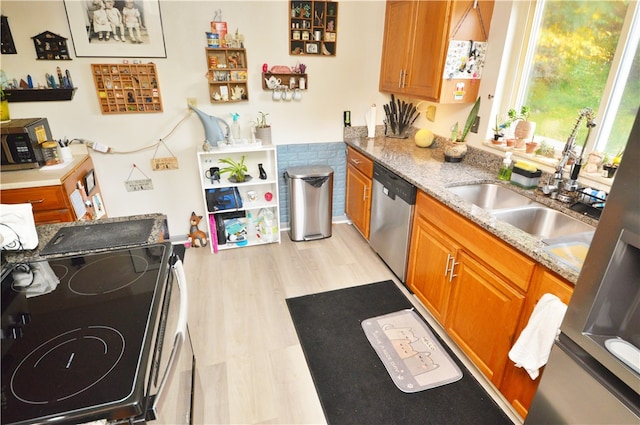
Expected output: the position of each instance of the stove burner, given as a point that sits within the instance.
(75, 360)
(108, 274)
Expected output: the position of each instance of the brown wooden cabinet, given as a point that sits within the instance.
(52, 204)
(483, 314)
(517, 386)
(416, 42)
(472, 282)
(358, 196)
(429, 272)
(227, 74)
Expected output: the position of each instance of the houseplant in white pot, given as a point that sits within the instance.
(262, 129)
(456, 148)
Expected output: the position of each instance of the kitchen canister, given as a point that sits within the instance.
(213, 40)
(51, 153)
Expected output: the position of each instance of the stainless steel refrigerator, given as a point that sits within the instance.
(593, 373)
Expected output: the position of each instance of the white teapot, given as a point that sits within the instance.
(237, 92)
(272, 82)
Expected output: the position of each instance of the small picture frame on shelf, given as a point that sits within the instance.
(312, 48)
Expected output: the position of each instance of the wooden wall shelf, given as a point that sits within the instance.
(227, 74)
(285, 80)
(39, 95)
(313, 28)
(127, 88)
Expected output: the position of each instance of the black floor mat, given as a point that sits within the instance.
(351, 381)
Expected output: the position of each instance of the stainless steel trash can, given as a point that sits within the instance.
(310, 202)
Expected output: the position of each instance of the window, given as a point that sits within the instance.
(583, 54)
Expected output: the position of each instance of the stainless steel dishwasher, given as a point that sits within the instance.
(392, 204)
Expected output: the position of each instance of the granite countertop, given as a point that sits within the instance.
(427, 170)
(47, 231)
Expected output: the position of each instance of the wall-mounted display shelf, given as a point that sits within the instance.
(292, 80)
(258, 196)
(127, 88)
(39, 95)
(227, 74)
(313, 28)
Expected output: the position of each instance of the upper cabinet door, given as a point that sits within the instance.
(416, 42)
(398, 36)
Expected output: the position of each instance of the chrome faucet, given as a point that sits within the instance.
(557, 187)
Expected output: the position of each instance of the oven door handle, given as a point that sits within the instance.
(180, 336)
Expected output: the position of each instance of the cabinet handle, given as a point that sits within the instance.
(446, 266)
(404, 78)
(400, 79)
(453, 265)
(39, 201)
(355, 161)
(365, 193)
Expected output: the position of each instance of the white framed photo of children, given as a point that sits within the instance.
(116, 28)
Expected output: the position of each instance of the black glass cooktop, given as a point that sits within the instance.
(77, 333)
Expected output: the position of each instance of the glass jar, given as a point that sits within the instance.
(51, 153)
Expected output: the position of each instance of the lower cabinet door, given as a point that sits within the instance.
(358, 196)
(430, 259)
(483, 315)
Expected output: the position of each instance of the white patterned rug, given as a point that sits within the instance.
(410, 352)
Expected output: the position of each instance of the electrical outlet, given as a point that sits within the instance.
(475, 125)
(192, 101)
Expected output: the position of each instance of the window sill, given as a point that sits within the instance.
(594, 180)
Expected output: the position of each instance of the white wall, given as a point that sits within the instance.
(348, 81)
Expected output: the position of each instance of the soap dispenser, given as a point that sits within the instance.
(505, 169)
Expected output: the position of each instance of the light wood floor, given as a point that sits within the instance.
(250, 364)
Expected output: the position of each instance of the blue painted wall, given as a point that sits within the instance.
(331, 154)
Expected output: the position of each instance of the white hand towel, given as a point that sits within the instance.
(531, 350)
(17, 227)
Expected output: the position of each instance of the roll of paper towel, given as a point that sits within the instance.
(371, 122)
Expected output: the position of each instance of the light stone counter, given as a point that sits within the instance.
(49, 175)
(426, 169)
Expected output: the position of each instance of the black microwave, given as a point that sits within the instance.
(21, 139)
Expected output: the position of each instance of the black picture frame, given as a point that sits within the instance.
(89, 182)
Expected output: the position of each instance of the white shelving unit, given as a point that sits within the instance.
(265, 155)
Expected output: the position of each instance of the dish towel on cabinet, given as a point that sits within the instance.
(531, 350)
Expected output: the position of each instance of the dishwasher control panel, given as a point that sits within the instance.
(394, 185)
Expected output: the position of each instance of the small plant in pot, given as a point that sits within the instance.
(237, 170)
(263, 130)
(456, 149)
(498, 130)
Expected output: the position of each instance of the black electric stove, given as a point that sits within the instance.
(77, 335)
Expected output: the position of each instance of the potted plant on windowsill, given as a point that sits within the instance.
(262, 129)
(237, 170)
(498, 131)
(456, 149)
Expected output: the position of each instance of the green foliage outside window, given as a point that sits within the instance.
(574, 54)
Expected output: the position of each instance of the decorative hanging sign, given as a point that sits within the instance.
(159, 164)
(137, 185)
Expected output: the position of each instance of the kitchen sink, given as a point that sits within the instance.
(542, 222)
(489, 196)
